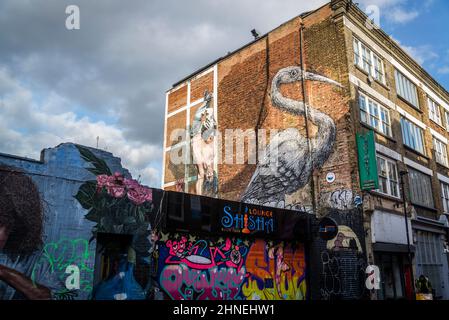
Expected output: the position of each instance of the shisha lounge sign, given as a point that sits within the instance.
(249, 221)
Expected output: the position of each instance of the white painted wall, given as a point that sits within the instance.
(389, 228)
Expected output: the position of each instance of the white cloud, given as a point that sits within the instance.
(31, 128)
(422, 54)
(395, 11)
(108, 79)
(443, 70)
(400, 15)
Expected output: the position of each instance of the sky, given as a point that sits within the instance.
(108, 79)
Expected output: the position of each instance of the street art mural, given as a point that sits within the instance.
(195, 268)
(202, 148)
(288, 162)
(49, 226)
(21, 227)
(340, 262)
(118, 205)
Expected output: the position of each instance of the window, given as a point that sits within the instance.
(440, 149)
(434, 111)
(368, 61)
(388, 177)
(378, 69)
(374, 115)
(406, 89)
(429, 259)
(446, 119)
(445, 196)
(412, 135)
(420, 188)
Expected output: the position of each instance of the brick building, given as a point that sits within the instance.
(329, 75)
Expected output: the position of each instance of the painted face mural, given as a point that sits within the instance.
(229, 269)
(21, 226)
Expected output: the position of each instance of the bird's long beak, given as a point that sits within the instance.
(315, 77)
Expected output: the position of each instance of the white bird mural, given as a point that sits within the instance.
(287, 164)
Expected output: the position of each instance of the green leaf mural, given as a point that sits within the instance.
(100, 166)
(115, 203)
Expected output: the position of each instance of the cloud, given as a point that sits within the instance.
(396, 11)
(443, 70)
(422, 54)
(400, 15)
(109, 78)
(31, 128)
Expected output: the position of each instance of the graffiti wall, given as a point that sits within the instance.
(196, 268)
(50, 213)
(340, 262)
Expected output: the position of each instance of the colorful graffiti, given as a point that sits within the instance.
(229, 269)
(60, 256)
(276, 272)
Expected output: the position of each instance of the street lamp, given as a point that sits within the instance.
(402, 173)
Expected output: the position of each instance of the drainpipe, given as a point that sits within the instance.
(306, 107)
(409, 252)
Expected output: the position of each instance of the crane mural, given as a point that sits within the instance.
(288, 161)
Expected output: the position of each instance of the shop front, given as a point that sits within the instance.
(210, 249)
(391, 254)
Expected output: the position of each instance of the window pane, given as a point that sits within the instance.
(406, 89)
(420, 188)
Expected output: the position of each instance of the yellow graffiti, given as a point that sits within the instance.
(290, 289)
(275, 272)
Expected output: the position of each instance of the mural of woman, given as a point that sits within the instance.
(23, 272)
(202, 135)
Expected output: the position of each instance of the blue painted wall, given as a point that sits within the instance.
(58, 176)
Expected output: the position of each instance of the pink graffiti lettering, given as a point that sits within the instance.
(182, 283)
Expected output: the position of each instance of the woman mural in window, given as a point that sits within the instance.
(23, 275)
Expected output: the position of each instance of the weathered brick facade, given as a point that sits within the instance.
(321, 42)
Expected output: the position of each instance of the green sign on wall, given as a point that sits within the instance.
(366, 146)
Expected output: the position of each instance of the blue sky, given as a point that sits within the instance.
(109, 78)
(422, 29)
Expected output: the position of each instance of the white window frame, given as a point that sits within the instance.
(440, 149)
(406, 89)
(434, 111)
(368, 61)
(445, 196)
(382, 118)
(446, 119)
(388, 178)
(418, 189)
(415, 137)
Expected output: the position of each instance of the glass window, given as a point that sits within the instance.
(429, 259)
(378, 69)
(357, 58)
(388, 176)
(412, 135)
(445, 196)
(368, 61)
(440, 150)
(374, 115)
(406, 89)
(434, 111)
(420, 188)
(446, 119)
